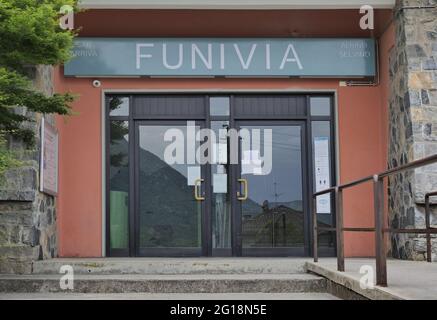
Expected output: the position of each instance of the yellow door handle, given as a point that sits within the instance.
(245, 194)
(197, 184)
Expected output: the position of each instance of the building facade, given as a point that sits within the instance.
(204, 129)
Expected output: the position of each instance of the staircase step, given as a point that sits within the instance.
(173, 265)
(170, 296)
(189, 283)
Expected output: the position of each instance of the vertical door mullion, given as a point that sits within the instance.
(234, 171)
(206, 228)
(305, 168)
(207, 211)
(134, 185)
(132, 166)
(308, 190)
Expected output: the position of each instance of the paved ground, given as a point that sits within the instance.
(406, 279)
(169, 296)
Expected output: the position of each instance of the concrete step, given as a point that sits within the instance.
(189, 283)
(173, 265)
(170, 296)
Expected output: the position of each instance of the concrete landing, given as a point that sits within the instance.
(406, 279)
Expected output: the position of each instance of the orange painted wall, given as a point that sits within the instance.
(387, 43)
(362, 126)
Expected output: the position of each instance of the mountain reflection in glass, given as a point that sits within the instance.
(272, 216)
(168, 213)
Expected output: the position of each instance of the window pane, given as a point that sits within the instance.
(219, 106)
(320, 106)
(118, 184)
(119, 106)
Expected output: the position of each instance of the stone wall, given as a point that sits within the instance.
(27, 216)
(413, 123)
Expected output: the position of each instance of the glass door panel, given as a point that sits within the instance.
(272, 216)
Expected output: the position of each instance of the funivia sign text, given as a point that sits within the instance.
(249, 57)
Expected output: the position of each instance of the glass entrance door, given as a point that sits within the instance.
(235, 180)
(170, 188)
(269, 199)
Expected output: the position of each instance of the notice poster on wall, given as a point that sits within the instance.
(220, 153)
(49, 159)
(220, 183)
(322, 173)
(193, 174)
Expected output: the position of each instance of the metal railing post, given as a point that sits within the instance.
(315, 230)
(339, 227)
(428, 226)
(380, 251)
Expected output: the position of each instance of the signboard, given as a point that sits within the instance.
(49, 159)
(239, 57)
(322, 173)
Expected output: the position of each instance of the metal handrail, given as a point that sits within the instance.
(379, 229)
(411, 165)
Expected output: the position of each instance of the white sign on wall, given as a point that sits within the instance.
(49, 159)
(238, 57)
(322, 173)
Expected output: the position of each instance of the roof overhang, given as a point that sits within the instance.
(235, 4)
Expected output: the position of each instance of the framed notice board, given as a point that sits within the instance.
(49, 159)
